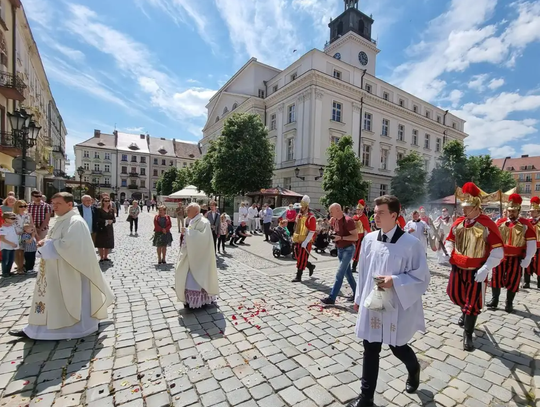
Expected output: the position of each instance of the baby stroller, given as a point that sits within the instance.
(283, 243)
(322, 241)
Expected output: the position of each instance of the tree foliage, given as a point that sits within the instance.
(409, 181)
(342, 179)
(167, 180)
(183, 179)
(202, 171)
(158, 187)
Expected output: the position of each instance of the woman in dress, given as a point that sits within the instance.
(22, 218)
(162, 233)
(223, 232)
(105, 232)
(133, 218)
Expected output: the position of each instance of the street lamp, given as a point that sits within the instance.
(80, 171)
(25, 133)
(321, 173)
(297, 172)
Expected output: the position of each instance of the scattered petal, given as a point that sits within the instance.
(234, 317)
(26, 382)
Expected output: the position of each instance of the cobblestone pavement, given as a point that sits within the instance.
(266, 345)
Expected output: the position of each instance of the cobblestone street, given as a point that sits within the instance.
(268, 344)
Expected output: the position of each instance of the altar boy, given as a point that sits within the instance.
(396, 262)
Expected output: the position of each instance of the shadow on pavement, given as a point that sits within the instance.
(15, 278)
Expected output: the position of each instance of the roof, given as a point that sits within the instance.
(185, 149)
(517, 163)
(104, 140)
(132, 143)
(161, 146)
(278, 191)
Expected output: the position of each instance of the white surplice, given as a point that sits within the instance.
(443, 226)
(420, 231)
(405, 260)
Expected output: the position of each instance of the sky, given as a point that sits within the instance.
(152, 65)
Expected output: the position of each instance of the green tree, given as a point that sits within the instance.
(342, 179)
(488, 177)
(158, 187)
(183, 179)
(449, 172)
(507, 180)
(409, 181)
(167, 180)
(201, 173)
(244, 159)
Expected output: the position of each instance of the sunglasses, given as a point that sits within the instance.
(106, 200)
(37, 196)
(23, 206)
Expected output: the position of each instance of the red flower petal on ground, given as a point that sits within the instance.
(236, 323)
(234, 317)
(263, 310)
(26, 382)
(258, 327)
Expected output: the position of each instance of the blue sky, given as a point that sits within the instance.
(152, 65)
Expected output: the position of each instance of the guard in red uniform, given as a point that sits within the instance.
(304, 234)
(362, 227)
(519, 241)
(534, 267)
(476, 247)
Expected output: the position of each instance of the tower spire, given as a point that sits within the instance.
(351, 4)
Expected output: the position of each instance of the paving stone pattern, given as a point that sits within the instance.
(268, 344)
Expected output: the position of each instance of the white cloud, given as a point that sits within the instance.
(73, 54)
(477, 82)
(455, 97)
(500, 152)
(134, 130)
(531, 149)
(496, 83)
(38, 11)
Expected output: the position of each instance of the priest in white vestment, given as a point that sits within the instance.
(419, 229)
(395, 262)
(196, 272)
(71, 294)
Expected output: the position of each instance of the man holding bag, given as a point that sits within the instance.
(395, 262)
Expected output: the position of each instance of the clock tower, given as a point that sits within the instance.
(350, 38)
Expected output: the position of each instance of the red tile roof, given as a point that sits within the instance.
(517, 163)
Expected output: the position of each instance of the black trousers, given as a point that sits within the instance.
(370, 368)
(238, 239)
(214, 235)
(266, 227)
(29, 260)
(131, 222)
(221, 241)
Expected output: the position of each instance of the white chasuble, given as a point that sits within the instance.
(70, 287)
(196, 268)
(405, 260)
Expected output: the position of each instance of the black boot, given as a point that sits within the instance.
(494, 303)
(527, 281)
(468, 330)
(509, 302)
(413, 381)
(354, 265)
(461, 320)
(298, 276)
(311, 268)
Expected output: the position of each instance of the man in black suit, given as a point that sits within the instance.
(88, 211)
(213, 217)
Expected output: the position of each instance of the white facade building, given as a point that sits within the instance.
(326, 95)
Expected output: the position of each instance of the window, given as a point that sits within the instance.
(225, 110)
(86, 154)
(96, 167)
(155, 161)
(415, 137)
(537, 176)
(96, 154)
(261, 93)
(415, 109)
(217, 119)
(537, 187)
(294, 76)
(522, 177)
(453, 125)
(438, 144)
(86, 166)
(400, 157)
(143, 160)
(143, 183)
(401, 102)
(163, 162)
(274, 89)
(107, 168)
(336, 111)
(162, 172)
(366, 155)
(384, 159)
(528, 178)
(337, 74)
(155, 173)
(184, 165)
(385, 96)
(427, 141)
(385, 127)
(86, 179)
(368, 88)
(133, 158)
(290, 149)
(291, 116)
(383, 189)
(234, 106)
(428, 114)
(527, 188)
(367, 121)
(124, 170)
(287, 184)
(124, 183)
(426, 164)
(107, 156)
(155, 184)
(438, 119)
(334, 140)
(134, 170)
(143, 171)
(171, 163)
(107, 181)
(401, 132)
(273, 121)
(124, 157)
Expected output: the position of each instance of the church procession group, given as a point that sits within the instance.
(71, 294)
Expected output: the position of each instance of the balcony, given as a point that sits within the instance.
(9, 145)
(123, 173)
(59, 151)
(133, 174)
(11, 86)
(97, 172)
(133, 187)
(105, 185)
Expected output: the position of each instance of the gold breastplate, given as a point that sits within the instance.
(513, 236)
(537, 230)
(471, 242)
(300, 230)
(359, 226)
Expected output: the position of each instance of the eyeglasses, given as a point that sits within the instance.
(37, 196)
(106, 200)
(23, 206)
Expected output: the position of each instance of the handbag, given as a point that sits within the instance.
(129, 218)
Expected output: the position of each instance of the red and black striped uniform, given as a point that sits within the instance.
(365, 230)
(508, 273)
(534, 267)
(401, 222)
(302, 255)
(462, 289)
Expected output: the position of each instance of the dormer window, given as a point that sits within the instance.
(162, 150)
(191, 156)
(133, 146)
(234, 106)
(225, 110)
(217, 119)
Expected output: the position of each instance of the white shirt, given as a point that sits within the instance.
(243, 212)
(420, 228)
(252, 212)
(10, 234)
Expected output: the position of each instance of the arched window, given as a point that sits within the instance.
(340, 28)
(217, 119)
(225, 110)
(234, 106)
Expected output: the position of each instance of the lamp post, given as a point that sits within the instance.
(25, 133)
(297, 172)
(321, 173)
(80, 171)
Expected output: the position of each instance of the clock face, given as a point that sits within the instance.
(363, 58)
(337, 55)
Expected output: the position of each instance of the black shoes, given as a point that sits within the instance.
(527, 278)
(311, 268)
(494, 303)
(461, 319)
(298, 277)
(413, 381)
(353, 267)
(329, 301)
(18, 334)
(362, 401)
(509, 302)
(468, 330)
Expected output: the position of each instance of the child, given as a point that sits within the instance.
(29, 244)
(223, 232)
(9, 242)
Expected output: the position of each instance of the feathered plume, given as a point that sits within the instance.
(471, 189)
(515, 199)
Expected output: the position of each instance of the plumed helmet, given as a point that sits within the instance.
(361, 204)
(535, 203)
(514, 202)
(422, 210)
(472, 195)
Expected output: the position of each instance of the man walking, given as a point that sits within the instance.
(180, 215)
(213, 218)
(41, 214)
(394, 262)
(88, 212)
(362, 228)
(419, 229)
(345, 238)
